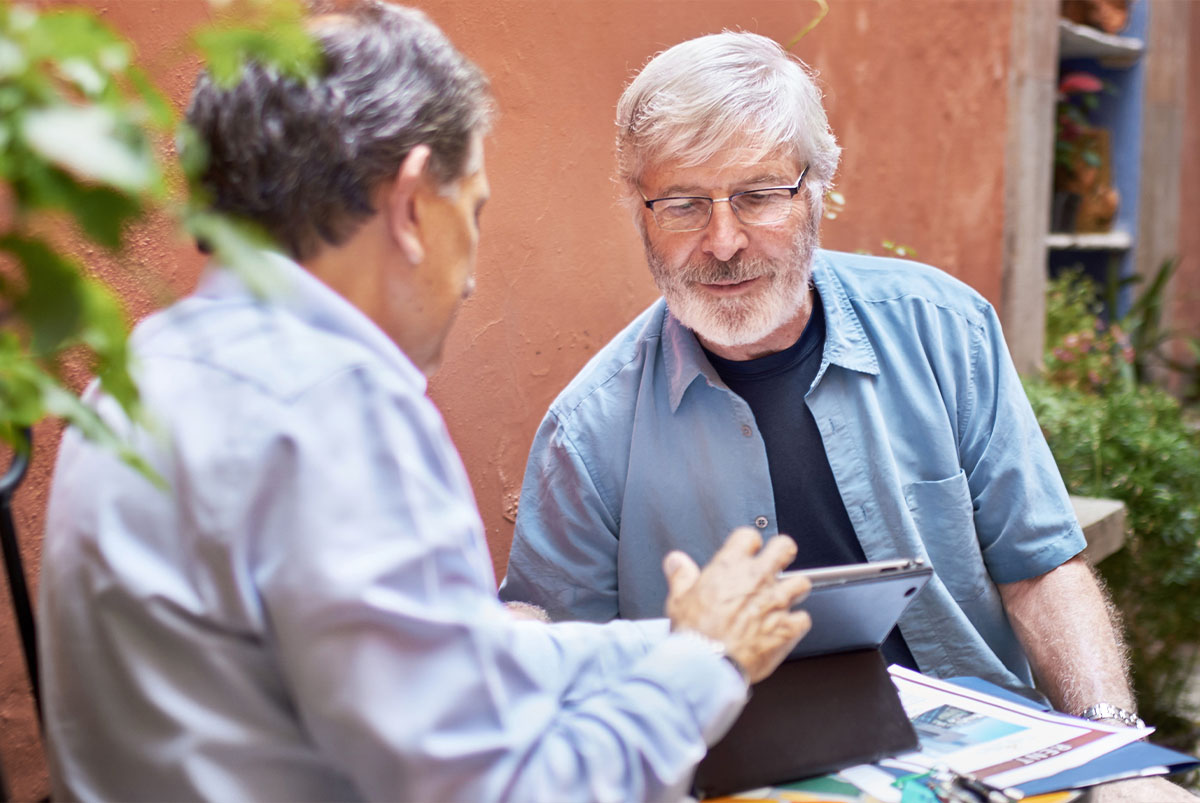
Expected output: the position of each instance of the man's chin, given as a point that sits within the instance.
(724, 327)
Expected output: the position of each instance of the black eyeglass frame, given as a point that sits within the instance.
(795, 188)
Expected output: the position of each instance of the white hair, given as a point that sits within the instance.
(727, 89)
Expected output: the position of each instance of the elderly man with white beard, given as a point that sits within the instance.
(866, 407)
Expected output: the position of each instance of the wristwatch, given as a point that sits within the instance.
(1113, 712)
(717, 648)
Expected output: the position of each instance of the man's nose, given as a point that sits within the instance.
(725, 234)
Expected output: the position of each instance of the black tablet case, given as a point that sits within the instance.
(831, 705)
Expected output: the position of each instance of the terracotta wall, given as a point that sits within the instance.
(1185, 314)
(916, 92)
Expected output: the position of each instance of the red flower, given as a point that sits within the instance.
(1079, 82)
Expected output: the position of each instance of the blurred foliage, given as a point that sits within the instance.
(1115, 435)
(1078, 99)
(822, 10)
(1151, 340)
(80, 130)
(898, 250)
(834, 205)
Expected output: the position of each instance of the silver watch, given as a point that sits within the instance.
(1113, 712)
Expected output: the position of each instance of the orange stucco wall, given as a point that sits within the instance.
(916, 93)
(1185, 314)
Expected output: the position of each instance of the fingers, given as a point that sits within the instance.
(778, 554)
(761, 659)
(745, 542)
(681, 572)
(800, 623)
(742, 542)
(794, 588)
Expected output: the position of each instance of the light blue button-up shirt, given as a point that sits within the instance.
(932, 442)
(309, 611)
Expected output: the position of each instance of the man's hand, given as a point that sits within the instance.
(739, 601)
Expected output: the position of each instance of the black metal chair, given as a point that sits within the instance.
(17, 587)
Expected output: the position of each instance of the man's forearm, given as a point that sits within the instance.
(1066, 624)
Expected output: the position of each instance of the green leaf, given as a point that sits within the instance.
(11, 99)
(91, 142)
(102, 212)
(104, 332)
(64, 404)
(20, 394)
(238, 245)
(159, 110)
(12, 58)
(274, 37)
(64, 34)
(83, 74)
(52, 304)
(193, 154)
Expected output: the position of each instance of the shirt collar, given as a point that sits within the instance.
(846, 343)
(288, 287)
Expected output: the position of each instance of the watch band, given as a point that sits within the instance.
(1113, 712)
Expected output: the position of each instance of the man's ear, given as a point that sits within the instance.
(401, 210)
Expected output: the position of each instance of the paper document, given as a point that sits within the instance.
(1000, 742)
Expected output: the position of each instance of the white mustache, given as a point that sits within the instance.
(716, 271)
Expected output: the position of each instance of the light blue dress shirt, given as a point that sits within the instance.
(309, 611)
(932, 442)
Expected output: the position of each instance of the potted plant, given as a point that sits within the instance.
(1084, 198)
(1110, 16)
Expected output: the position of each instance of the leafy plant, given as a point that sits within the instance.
(1078, 99)
(1084, 352)
(1113, 436)
(80, 130)
(1150, 338)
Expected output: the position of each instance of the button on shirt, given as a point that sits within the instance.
(931, 440)
(308, 611)
(807, 502)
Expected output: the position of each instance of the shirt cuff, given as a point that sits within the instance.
(710, 686)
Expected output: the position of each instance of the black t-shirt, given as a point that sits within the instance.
(808, 505)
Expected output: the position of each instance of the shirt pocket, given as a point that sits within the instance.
(945, 518)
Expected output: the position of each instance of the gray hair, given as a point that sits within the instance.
(727, 89)
(302, 158)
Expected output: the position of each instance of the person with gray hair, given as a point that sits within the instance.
(868, 407)
(307, 610)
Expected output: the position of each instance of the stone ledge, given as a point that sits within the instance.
(1103, 523)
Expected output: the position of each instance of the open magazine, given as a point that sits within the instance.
(1002, 743)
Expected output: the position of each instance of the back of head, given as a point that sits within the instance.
(301, 158)
(718, 91)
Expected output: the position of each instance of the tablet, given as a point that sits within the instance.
(828, 575)
(855, 606)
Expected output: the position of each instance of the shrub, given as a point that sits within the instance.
(1116, 438)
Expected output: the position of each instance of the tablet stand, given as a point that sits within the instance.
(813, 716)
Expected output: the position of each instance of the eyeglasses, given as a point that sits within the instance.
(752, 207)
